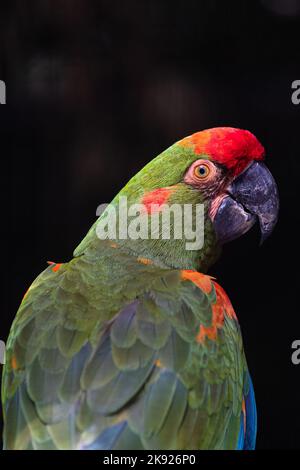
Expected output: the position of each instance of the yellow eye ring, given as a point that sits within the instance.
(202, 171)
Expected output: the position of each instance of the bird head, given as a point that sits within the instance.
(237, 185)
(221, 169)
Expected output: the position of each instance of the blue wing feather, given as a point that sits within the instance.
(247, 439)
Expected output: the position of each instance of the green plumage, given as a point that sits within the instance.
(77, 373)
(104, 351)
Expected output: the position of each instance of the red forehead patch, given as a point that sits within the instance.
(234, 148)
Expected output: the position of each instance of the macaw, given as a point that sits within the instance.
(131, 344)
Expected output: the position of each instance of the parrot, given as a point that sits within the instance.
(132, 345)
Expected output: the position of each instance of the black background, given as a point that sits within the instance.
(95, 89)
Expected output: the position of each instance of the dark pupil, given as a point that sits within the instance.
(202, 170)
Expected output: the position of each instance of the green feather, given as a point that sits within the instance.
(105, 349)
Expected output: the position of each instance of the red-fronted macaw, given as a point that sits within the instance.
(130, 345)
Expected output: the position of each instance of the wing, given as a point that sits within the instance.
(250, 416)
(57, 328)
(46, 352)
(166, 372)
(173, 374)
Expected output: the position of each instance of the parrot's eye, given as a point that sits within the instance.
(202, 171)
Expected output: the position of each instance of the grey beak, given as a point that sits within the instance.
(252, 196)
(257, 191)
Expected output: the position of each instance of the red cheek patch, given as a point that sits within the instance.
(158, 197)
